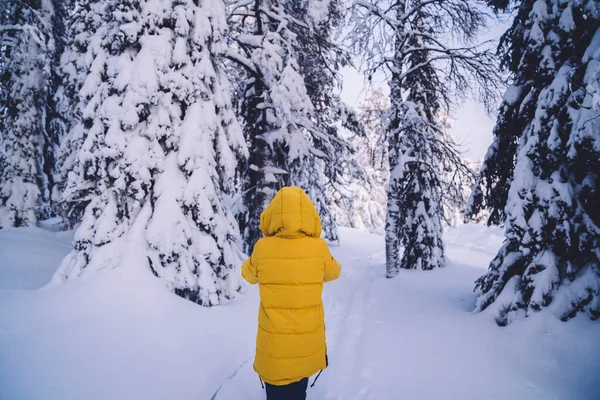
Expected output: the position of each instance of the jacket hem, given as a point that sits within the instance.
(283, 382)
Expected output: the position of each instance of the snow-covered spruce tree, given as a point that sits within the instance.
(490, 191)
(551, 255)
(82, 19)
(27, 143)
(520, 57)
(406, 40)
(274, 108)
(415, 177)
(319, 61)
(56, 125)
(157, 144)
(291, 140)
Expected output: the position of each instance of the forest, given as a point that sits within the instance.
(187, 116)
(141, 141)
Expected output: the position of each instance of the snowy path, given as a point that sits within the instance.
(413, 337)
(347, 335)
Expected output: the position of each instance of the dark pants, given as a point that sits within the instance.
(293, 391)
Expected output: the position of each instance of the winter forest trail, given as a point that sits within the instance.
(413, 337)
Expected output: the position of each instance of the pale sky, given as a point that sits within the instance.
(471, 126)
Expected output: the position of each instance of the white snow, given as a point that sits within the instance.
(29, 257)
(513, 92)
(318, 11)
(120, 334)
(566, 22)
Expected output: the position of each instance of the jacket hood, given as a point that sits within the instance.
(290, 214)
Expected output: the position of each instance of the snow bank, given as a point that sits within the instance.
(116, 334)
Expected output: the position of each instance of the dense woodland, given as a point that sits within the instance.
(185, 117)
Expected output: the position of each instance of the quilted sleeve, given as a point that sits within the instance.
(249, 272)
(332, 267)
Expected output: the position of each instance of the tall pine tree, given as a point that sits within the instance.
(551, 255)
(275, 108)
(415, 198)
(406, 40)
(31, 41)
(157, 143)
(288, 105)
(319, 62)
(520, 57)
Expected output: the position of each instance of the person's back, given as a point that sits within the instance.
(290, 264)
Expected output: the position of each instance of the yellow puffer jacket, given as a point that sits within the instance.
(290, 265)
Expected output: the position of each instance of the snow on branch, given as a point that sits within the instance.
(385, 37)
(241, 60)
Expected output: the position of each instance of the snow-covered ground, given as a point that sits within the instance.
(119, 334)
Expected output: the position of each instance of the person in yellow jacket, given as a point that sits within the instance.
(290, 264)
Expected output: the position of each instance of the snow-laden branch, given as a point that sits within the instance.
(237, 5)
(241, 60)
(398, 20)
(475, 61)
(374, 10)
(33, 31)
(285, 20)
(241, 9)
(35, 12)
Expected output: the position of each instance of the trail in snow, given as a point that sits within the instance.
(350, 357)
(411, 337)
(347, 310)
(415, 337)
(214, 396)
